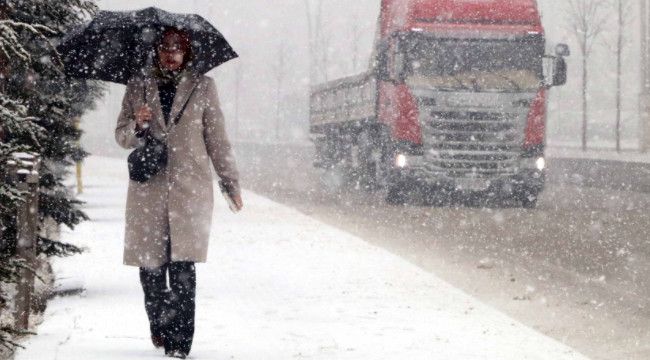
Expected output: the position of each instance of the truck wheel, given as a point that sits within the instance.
(333, 179)
(369, 168)
(528, 199)
(397, 194)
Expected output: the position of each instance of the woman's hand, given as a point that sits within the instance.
(143, 116)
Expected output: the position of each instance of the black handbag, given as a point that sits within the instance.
(148, 159)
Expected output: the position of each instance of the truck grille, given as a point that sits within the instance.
(477, 144)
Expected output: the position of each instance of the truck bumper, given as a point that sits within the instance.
(524, 179)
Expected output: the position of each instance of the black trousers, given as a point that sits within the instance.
(171, 309)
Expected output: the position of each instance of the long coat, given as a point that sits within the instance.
(178, 201)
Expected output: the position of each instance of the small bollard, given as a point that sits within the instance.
(79, 164)
(27, 178)
(80, 183)
(8, 178)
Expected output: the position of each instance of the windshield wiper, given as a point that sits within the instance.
(475, 85)
(512, 82)
(460, 82)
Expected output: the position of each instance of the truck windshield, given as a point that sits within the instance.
(475, 65)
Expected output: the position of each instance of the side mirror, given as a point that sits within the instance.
(562, 50)
(555, 67)
(559, 71)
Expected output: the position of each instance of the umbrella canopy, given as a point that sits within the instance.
(117, 45)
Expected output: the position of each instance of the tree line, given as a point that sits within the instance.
(588, 20)
(39, 111)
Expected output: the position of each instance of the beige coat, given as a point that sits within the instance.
(180, 198)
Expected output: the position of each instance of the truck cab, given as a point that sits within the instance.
(463, 89)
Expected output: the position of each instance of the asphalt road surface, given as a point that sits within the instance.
(577, 268)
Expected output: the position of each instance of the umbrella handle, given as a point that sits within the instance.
(144, 93)
(144, 102)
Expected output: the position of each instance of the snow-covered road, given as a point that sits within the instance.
(278, 285)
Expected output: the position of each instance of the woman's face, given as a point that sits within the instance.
(171, 53)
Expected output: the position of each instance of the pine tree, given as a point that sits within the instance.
(15, 126)
(56, 102)
(38, 108)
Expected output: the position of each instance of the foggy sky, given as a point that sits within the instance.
(256, 29)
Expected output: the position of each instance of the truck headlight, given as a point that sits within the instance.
(533, 163)
(400, 161)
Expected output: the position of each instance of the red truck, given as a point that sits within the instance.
(455, 101)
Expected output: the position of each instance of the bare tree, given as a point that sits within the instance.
(587, 19)
(356, 34)
(324, 55)
(644, 118)
(280, 73)
(314, 30)
(239, 75)
(623, 10)
(310, 40)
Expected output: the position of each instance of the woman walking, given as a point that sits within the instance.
(168, 217)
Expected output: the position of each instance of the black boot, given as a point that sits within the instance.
(179, 317)
(154, 284)
(157, 341)
(176, 354)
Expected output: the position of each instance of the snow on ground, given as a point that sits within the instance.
(278, 285)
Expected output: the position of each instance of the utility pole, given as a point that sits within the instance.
(644, 97)
(238, 80)
(280, 75)
(619, 59)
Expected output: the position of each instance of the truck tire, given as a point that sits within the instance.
(397, 194)
(529, 204)
(331, 180)
(528, 199)
(371, 172)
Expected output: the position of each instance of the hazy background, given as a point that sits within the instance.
(260, 30)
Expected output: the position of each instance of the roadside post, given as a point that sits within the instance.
(79, 163)
(26, 177)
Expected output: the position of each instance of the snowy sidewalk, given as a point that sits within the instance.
(278, 285)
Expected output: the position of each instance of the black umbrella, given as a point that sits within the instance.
(117, 45)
